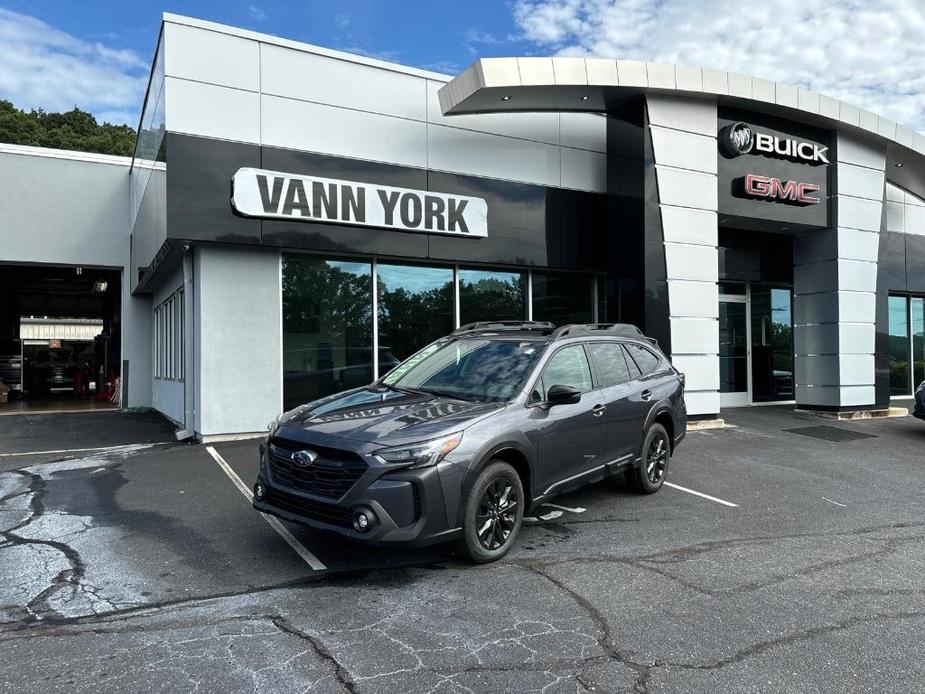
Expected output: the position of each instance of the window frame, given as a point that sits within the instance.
(621, 347)
(542, 369)
(658, 358)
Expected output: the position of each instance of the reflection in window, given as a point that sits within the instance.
(327, 327)
(899, 346)
(415, 308)
(486, 295)
(562, 298)
(610, 363)
(918, 340)
(568, 367)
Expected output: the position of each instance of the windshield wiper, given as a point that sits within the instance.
(404, 389)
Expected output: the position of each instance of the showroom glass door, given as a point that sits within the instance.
(771, 343)
(734, 364)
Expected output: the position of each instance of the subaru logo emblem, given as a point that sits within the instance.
(736, 139)
(304, 458)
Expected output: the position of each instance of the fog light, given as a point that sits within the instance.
(259, 492)
(361, 522)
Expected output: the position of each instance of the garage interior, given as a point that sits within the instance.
(60, 338)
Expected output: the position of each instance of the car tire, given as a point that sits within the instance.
(492, 514)
(649, 476)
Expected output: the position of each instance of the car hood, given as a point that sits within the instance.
(384, 416)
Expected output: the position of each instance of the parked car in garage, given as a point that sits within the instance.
(462, 439)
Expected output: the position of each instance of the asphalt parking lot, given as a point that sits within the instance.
(137, 564)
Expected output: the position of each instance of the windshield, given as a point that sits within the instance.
(469, 369)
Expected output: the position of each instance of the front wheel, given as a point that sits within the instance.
(656, 455)
(493, 513)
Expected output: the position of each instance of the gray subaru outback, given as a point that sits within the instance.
(462, 439)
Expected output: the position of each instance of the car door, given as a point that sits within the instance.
(646, 389)
(569, 438)
(621, 397)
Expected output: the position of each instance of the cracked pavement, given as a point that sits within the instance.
(142, 569)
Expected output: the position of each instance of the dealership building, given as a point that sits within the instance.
(297, 220)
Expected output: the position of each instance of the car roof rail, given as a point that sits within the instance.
(543, 327)
(607, 329)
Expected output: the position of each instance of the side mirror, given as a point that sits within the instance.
(562, 395)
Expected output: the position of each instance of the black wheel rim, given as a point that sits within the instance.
(497, 514)
(656, 459)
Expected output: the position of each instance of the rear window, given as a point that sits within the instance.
(610, 363)
(645, 359)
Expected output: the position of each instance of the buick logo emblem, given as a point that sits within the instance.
(304, 458)
(736, 139)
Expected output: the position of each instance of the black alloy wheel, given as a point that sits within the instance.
(497, 514)
(657, 457)
(649, 474)
(492, 513)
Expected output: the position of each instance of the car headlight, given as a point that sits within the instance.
(423, 454)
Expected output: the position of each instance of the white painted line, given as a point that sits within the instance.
(552, 515)
(84, 450)
(290, 539)
(577, 509)
(700, 494)
(835, 502)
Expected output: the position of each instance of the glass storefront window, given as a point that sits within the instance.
(900, 383)
(415, 308)
(918, 341)
(772, 344)
(327, 327)
(563, 298)
(486, 295)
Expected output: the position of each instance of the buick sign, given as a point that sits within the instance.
(304, 458)
(277, 195)
(739, 138)
(736, 139)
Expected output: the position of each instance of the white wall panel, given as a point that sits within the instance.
(857, 307)
(860, 181)
(862, 152)
(684, 262)
(494, 156)
(689, 225)
(694, 336)
(857, 395)
(857, 276)
(684, 150)
(854, 244)
(210, 56)
(856, 338)
(343, 132)
(690, 115)
(706, 402)
(913, 219)
(859, 213)
(318, 78)
(584, 170)
(701, 372)
(194, 108)
(689, 299)
(686, 188)
(583, 131)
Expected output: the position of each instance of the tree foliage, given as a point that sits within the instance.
(74, 130)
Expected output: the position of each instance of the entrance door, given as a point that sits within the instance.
(734, 363)
(772, 343)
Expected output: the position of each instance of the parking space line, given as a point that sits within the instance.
(700, 494)
(84, 450)
(275, 523)
(835, 502)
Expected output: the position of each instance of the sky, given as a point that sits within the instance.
(96, 54)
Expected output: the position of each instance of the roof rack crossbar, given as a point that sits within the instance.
(614, 329)
(524, 325)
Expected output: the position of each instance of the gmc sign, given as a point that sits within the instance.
(793, 192)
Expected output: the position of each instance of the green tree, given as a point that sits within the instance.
(74, 130)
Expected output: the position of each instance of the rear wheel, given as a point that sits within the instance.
(656, 455)
(493, 513)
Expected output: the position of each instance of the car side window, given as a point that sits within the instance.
(610, 363)
(644, 358)
(567, 367)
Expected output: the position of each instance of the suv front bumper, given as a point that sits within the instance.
(403, 506)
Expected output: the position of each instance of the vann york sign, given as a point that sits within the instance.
(276, 195)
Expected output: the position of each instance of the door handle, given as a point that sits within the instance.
(598, 410)
(647, 394)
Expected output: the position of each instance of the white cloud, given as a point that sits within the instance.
(870, 54)
(256, 13)
(43, 67)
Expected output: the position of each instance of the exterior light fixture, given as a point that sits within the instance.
(100, 286)
(506, 97)
(898, 165)
(585, 97)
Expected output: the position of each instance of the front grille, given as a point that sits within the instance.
(311, 510)
(331, 476)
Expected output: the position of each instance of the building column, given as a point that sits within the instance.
(835, 286)
(681, 135)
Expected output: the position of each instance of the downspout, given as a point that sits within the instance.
(189, 406)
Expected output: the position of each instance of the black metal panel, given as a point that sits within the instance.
(199, 172)
(522, 227)
(915, 263)
(755, 256)
(658, 312)
(758, 213)
(890, 267)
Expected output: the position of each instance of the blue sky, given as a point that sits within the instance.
(96, 53)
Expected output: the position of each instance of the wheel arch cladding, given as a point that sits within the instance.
(511, 455)
(666, 420)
